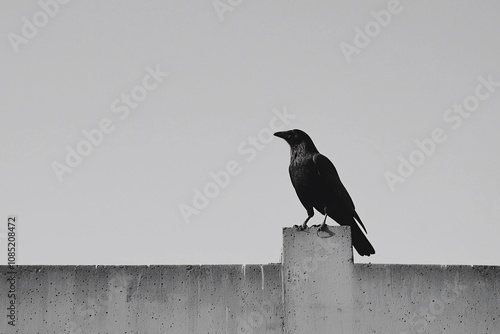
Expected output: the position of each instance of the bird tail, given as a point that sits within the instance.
(356, 216)
(360, 241)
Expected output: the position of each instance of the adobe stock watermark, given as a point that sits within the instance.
(265, 313)
(249, 149)
(31, 27)
(121, 106)
(223, 6)
(428, 313)
(363, 37)
(11, 275)
(453, 117)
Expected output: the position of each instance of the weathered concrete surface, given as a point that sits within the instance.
(316, 290)
(326, 293)
(427, 299)
(318, 284)
(145, 299)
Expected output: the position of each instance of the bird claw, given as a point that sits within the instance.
(301, 227)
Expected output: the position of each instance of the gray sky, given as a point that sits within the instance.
(364, 98)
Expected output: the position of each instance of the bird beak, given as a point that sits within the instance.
(281, 134)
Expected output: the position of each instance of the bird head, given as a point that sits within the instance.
(297, 138)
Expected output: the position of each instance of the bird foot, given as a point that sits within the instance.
(324, 232)
(302, 227)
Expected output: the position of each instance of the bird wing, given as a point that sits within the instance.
(329, 175)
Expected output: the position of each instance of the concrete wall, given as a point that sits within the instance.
(146, 300)
(316, 289)
(325, 292)
(427, 299)
(318, 286)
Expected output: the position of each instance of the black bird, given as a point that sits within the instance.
(318, 186)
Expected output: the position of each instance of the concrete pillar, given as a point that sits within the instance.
(318, 281)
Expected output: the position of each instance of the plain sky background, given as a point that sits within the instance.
(121, 204)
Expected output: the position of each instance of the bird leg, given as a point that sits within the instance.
(323, 226)
(303, 227)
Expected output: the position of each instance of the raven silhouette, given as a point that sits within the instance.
(318, 186)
